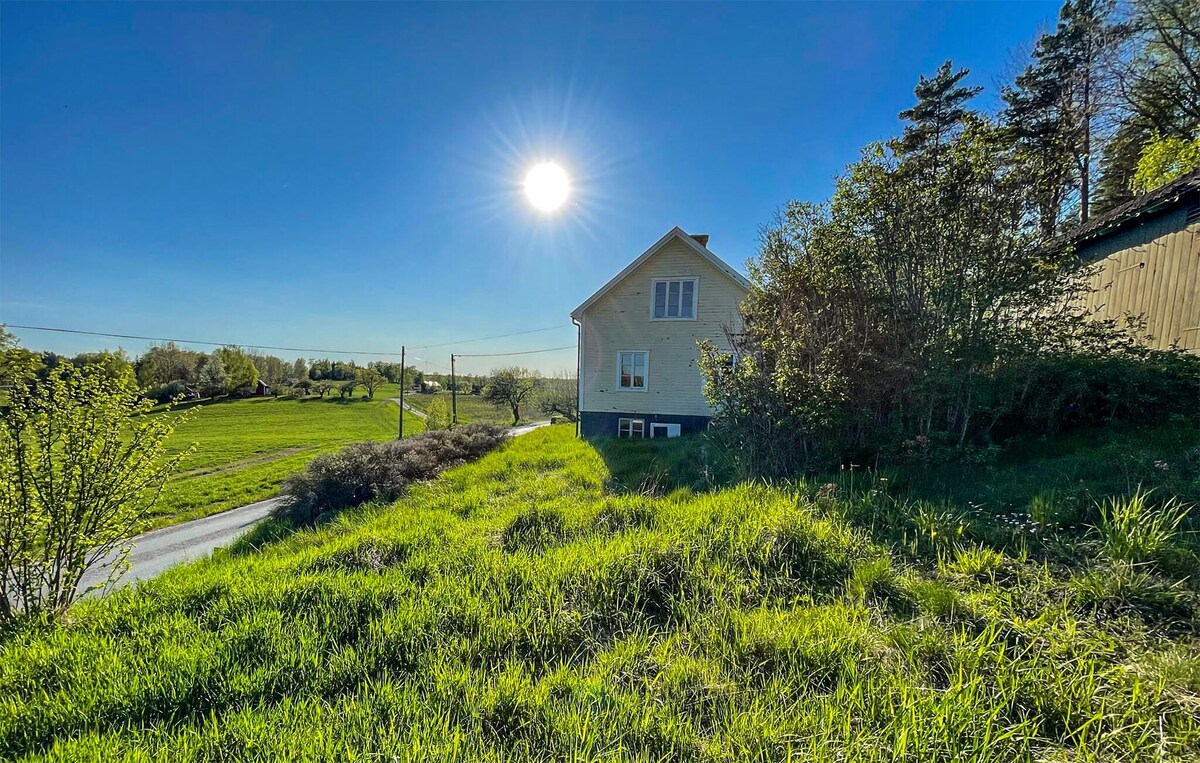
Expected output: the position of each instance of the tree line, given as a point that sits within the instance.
(930, 308)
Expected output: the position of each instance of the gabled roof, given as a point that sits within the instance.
(674, 233)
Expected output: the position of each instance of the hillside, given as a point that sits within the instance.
(246, 447)
(529, 606)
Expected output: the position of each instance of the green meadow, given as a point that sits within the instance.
(558, 600)
(244, 448)
(472, 409)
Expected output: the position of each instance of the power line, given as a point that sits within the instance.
(303, 349)
(497, 336)
(197, 341)
(506, 354)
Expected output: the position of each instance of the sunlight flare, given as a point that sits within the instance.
(547, 186)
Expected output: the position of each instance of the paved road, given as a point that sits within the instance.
(159, 550)
(420, 414)
(162, 549)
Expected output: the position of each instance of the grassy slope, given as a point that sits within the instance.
(517, 608)
(245, 448)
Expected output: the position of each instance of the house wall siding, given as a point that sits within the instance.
(620, 320)
(1152, 269)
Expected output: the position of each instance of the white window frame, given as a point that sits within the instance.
(627, 423)
(672, 429)
(695, 281)
(645, 377)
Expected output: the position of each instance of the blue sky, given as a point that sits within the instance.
(349, 175)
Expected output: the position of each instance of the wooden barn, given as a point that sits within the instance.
(1145, 258)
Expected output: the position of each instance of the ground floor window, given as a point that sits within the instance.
(631, 427)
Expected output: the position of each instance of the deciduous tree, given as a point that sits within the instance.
(510, 388)
(81, 466)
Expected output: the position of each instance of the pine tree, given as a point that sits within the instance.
(1054, 109)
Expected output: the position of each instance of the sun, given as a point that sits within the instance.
(547, 186)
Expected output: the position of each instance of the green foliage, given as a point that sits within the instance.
(239, 368)
(925, 314)
(1136, 529)
(510, 388)
(370, 471)
(1164, 159)
(80, 469)
(371, 380)
(437, 413)
(213, 379)
(741, 623)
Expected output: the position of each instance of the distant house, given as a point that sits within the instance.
(261, 389)
(1145, 256)
(428, 386)
(638, 356)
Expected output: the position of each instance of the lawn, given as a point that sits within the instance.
(246, 447)
(556, 601)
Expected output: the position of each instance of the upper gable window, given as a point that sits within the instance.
(673, 299)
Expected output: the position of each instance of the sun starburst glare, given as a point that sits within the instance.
(547, 186)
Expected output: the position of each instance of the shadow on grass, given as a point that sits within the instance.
(658, 466)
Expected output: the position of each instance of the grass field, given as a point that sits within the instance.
(472, 409)
(555, 601)
(246, 447)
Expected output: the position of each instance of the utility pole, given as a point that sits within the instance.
(453, 393)
(401, 437)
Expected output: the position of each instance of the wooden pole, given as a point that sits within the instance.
(401, 436)
(453, 393)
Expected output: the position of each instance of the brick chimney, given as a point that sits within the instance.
(701, 238)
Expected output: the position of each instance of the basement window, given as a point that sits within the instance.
(631, 427)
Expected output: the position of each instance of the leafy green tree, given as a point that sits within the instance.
(239, 368)
(14, 359)
(81, 466)
(437, 414)
(371, 380)
(299, 369)
(270, 369)
(213, 379)
(115, 364)
(346, 388)
(1164, 159)
(319, 369)
(165, 363)
(510, 388)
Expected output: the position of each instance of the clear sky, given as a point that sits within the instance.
(349, 175)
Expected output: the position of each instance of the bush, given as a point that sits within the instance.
(370, 471)
(167, 392)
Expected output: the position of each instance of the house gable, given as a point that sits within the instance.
(674, 234)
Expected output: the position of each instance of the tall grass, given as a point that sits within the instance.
(1136, 529)
(527, 607)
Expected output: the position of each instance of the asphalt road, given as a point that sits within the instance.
(160, 550)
